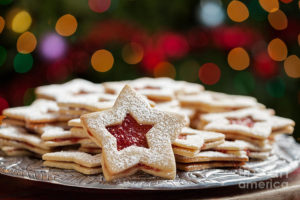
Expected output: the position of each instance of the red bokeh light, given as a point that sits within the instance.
(209, 73)
(3, 104)
(264, 66)
(174, 45)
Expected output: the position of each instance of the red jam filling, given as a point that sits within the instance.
(81, 92)
(182, 137)
(130, 132)
(222, 150)
(245, 121)
(148, 167)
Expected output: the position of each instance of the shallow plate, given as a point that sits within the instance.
(285, 159)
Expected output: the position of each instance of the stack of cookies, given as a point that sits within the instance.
(151, 125)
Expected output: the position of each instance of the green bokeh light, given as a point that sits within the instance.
(188, 71)
(5, 2)
(3, 55)
(23, 63)
(244, 82)
(276, 87)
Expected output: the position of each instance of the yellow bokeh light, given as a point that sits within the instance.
(66, 25)
(2, 24)
(277, 50)
(292, 66)
(21, 22)
(26, 43)
(238, 59)
(278, 20)
(237, 11)
(132, 53)
(164, 69)
(269, 5)
(102, 60)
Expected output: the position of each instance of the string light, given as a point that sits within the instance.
(21, 22)
(52, 46)
(292, 66)
(269, 5)
(209, 73)
(66, 25)
(237, 11)
(164, 69)
(99, 6)
(238, 59)
(132, 53)
(102, 60)
(26, 43)
(278, 20)
(2, 24)
(23, 63)
(210, 13)
(277, 50)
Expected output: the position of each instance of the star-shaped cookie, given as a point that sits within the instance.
(134, 136)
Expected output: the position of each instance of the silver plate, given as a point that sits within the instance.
(285, 159)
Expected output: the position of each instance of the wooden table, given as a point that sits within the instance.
(14, 188)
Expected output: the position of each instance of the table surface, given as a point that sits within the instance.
(15, 188)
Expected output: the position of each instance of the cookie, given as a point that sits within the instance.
(208, 165)
(73, 87)
(40, 111)
(191, 141)
(78, 161)
(208, 101)
(134, 137)
(14, 151)
(20, 138)
(251, 123)
(75, 122)
(207, 156)
(55, 137)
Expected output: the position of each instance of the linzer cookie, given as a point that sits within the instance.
(55, 137)
(208, 101)
(40, 111)
(15, 151)
(73, 87)
(134, 137)
(79, 161)
(18, 137)
(252, 123)
(191, 141)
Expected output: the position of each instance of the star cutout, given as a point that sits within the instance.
(129, 133)
(144, 139)
(245, 121)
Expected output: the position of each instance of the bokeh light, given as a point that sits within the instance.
(276, 87)
(23, 63)
(292, 66)
(264, 66)
(174, 45)
(209, 73)
(299, 39)
(99, 6)
(52, 46)
(278, 20)
(102, 60)
(269, 5)
(66, 25)
(238, 59)
(3, 104)
(21, 22)
(237, 11)
(3, 55)
(2, 24)
(5, 2)
(244, 82)
(286, 1)
(164, 69)
(210, 13)
(26, 43)
(132, 53)
(189, 71)
(277, 50)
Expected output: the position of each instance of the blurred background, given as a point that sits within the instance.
(238, 47)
